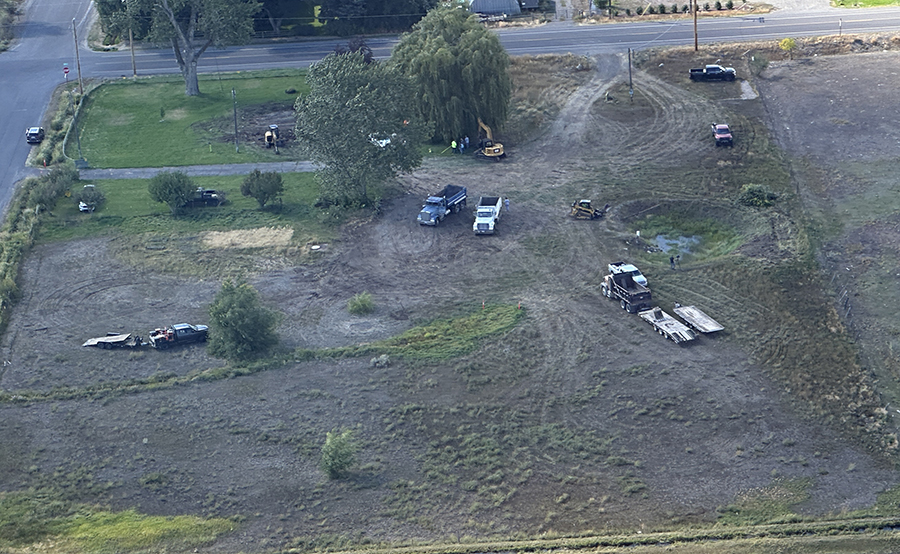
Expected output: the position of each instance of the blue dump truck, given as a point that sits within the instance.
(450, 200)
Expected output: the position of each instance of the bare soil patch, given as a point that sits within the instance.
(582, 418)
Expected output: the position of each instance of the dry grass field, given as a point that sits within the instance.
(572, 417)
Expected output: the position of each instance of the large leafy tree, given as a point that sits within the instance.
(357, 124)
(172, 188)
(192, 26)
(240, 326)
(460, 71)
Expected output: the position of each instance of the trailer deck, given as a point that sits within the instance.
(667, 325)
(114, 340)
(697, 319)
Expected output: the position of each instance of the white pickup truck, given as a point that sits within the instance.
(622, 267)
(487, 214)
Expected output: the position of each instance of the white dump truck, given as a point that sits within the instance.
(487, 214)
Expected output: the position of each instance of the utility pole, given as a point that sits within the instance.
(630, 84)
(77, 59)
(234, 103)
(696, 45)
(131, 43)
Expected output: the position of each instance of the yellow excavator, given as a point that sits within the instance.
(487, 148)
(582, 209)
(272, 138)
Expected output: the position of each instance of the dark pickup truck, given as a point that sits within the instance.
(180, 333)
(205, 197)
(713, 73)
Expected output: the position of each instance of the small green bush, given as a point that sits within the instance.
(757, 196)
(685, 8)
(651, 10)
(90, 195)
(338, 453)
(361, 304)
(661, 8)
(674, 8)
(718, 5)
(729, 5)
(706, 7)
(628, 12)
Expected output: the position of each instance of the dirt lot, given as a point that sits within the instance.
(599, 422)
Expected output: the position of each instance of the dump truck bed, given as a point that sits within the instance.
(667, 325)
(697, 319)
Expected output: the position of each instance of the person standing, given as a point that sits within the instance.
(506, 203)
(453, 145)
(672, 262)
(466, 140)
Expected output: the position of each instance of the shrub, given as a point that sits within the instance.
(718, 5)
(338, 453)
(729, 5)
(361, 304)
(172, 188)
(674, 8)
(757, 196)
(264, 187)
(685, 8)
(628, 12)
(50, 188)
(706, 7)
(90, 195)
(661, 8)
(788, 45)
(240, 326)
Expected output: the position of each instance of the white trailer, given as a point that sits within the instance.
(115, 340)
(668, 326)
(697, 319)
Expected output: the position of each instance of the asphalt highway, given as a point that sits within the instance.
(33, 67)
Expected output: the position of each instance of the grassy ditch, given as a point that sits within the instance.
(121, 128)
(48, 516)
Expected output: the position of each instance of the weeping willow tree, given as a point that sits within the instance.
(459, 70)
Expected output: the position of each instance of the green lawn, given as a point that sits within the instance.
(129, 210)
(864, 3)
(151, 123)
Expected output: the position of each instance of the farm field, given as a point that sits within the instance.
(578, 419)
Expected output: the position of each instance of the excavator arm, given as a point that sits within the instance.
(486, 129)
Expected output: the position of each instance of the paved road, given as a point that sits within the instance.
(33, 67)
(197, 170)
(29, 72)
(556, 37)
